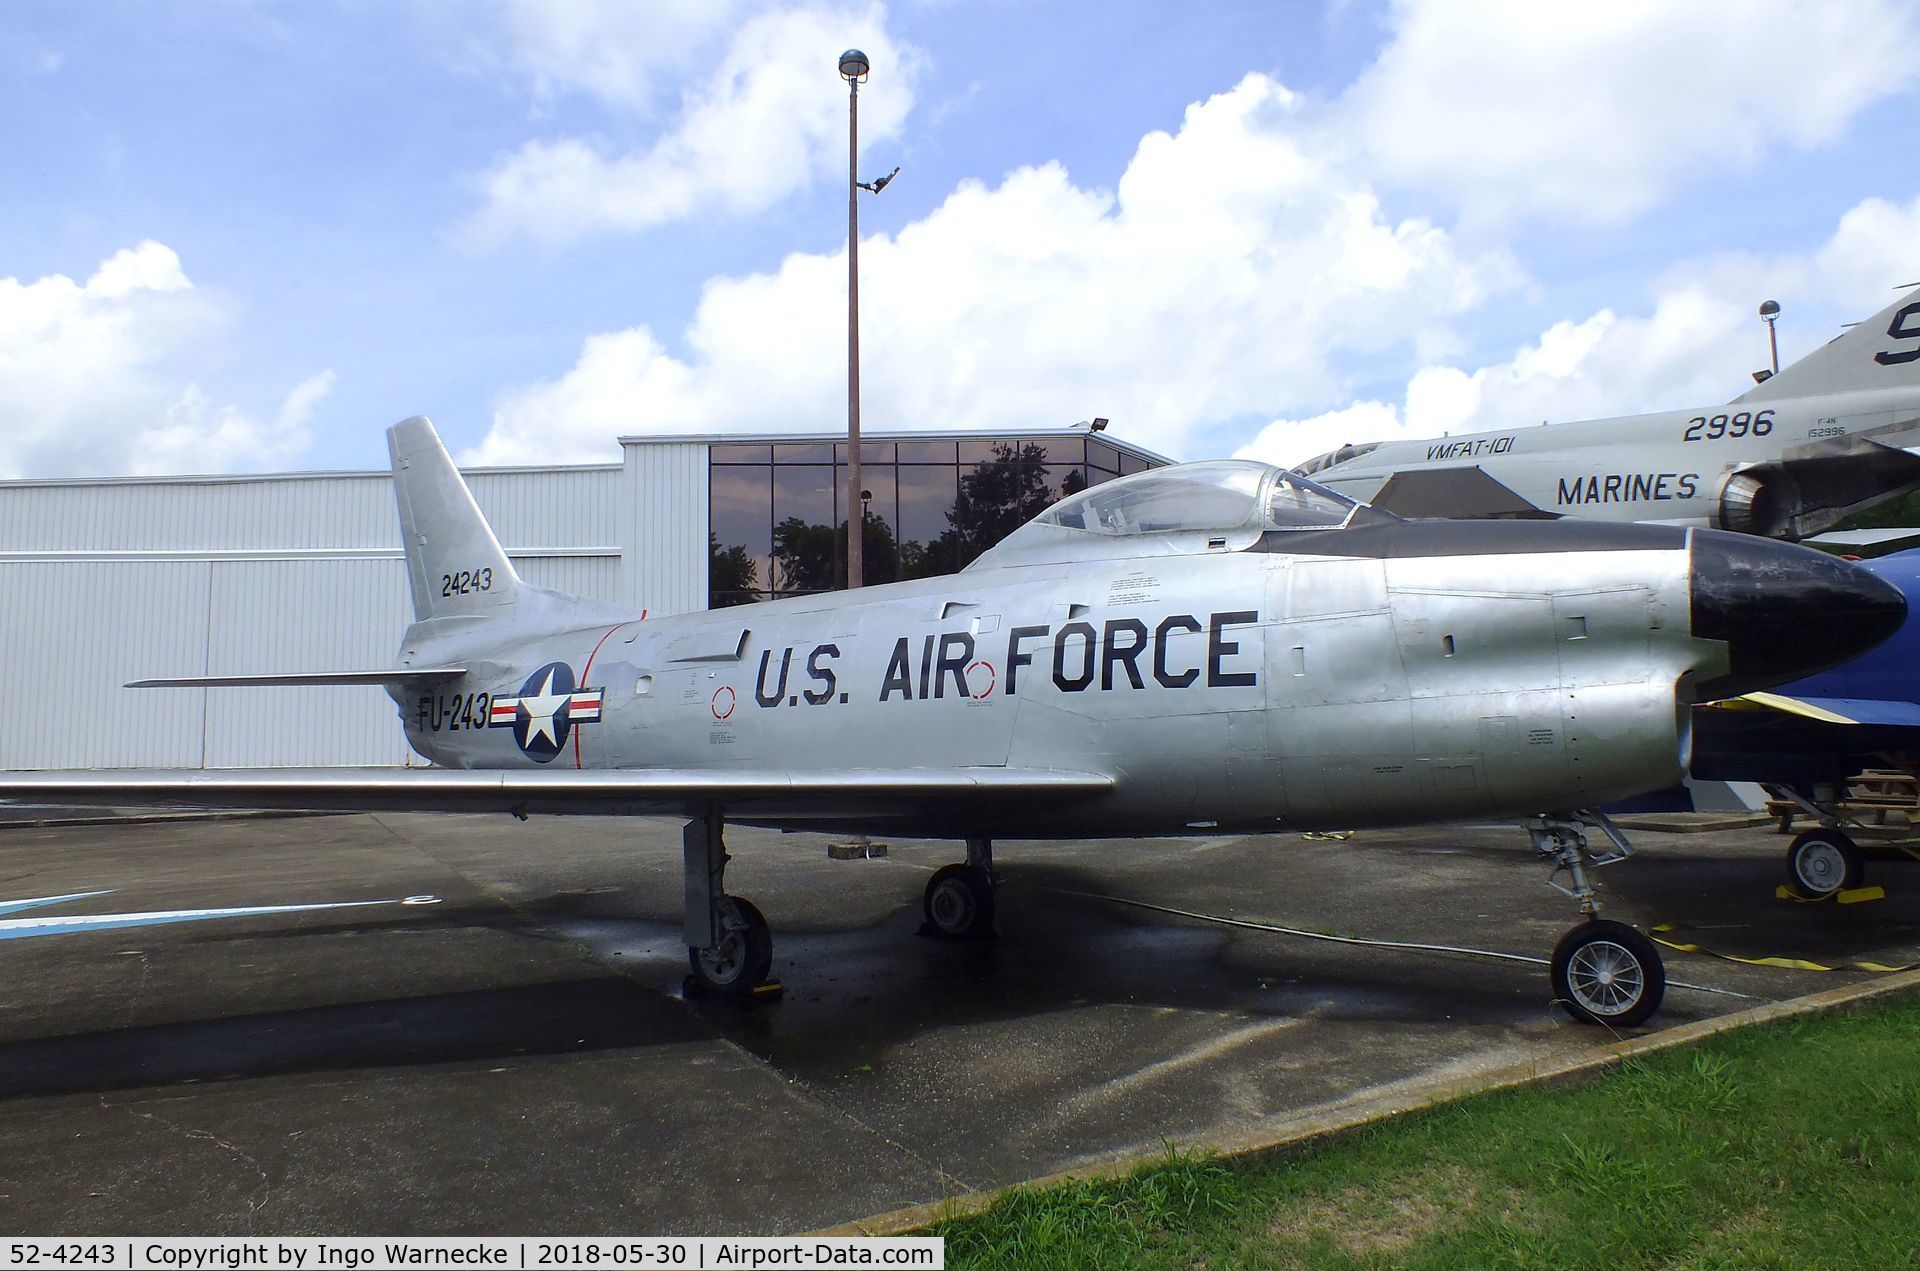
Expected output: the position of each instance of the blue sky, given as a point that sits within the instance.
(244, 234)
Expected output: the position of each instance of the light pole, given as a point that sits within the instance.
(853, 69)
(1769, 310)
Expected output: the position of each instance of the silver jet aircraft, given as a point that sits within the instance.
(1829, 435)
(1210, 647)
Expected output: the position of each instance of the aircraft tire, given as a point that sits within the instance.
(739, 963)
(959, 902)
(1823, 862)
(1605, 972)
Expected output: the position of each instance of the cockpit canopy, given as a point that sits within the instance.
(1220, 504)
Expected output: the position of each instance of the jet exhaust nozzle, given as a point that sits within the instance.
(1785, 611)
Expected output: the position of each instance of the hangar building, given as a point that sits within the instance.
(108, 580)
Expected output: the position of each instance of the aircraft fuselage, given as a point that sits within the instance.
(1238, 689)
(1671, 467)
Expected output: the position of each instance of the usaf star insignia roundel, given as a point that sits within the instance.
(544, 714)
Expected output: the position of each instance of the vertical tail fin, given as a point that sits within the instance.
(454, 563)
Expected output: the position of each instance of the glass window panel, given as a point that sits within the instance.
(804, 491)
(881, 546)
(927, 452)
(740, 526)
(980, 451)
(1130, 464)
(926, 499)
(870, 452)
(999, 494)
(1066, 478)
(1058, 449)
(803, 452)
(1103, 456)
(734, 453)
(805, 535)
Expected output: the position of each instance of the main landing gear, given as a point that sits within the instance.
(729, 945)
(959, 898)
(1603, 972)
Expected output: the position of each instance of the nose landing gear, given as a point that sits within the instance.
(1603, 972)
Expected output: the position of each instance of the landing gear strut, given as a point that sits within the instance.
(959, 898)
(728, 944)
(1603, 972)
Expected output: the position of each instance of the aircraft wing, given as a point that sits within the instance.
(1841, 710)
(1454, 494)
(1783, 737)
(746, 793)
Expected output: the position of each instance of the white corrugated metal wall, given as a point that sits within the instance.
(665, 525)
(106, 581)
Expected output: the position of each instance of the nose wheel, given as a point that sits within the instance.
(1605, 972)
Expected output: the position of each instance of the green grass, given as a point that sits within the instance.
(1795, 1145)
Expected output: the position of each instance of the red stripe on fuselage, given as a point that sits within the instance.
(585, 671)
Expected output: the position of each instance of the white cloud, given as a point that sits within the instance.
(92, 379)
(765, 121)
(1293, 441)
(617, 51)
(1876, 247)
(1697, 345)
(195, 435)
(1216, 281)
(1596, 111)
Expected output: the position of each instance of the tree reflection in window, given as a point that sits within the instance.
(730, 575)
(776, 511)
(999, 496)
(806, 557)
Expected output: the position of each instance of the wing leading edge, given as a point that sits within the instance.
(753, 793)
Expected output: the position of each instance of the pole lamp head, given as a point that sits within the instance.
(1769, 310)
(853, 66)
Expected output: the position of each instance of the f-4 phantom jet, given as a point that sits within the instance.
(1831, 434)
(1219, 646)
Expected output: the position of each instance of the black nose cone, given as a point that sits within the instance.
(1785, 611)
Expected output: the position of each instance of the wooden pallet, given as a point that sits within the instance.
(1868, 799)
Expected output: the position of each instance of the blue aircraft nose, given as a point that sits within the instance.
(1785, 611)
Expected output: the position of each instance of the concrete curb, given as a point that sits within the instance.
(1295, 1129)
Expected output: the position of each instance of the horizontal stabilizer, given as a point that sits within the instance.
(748, 792)
(393, 675)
